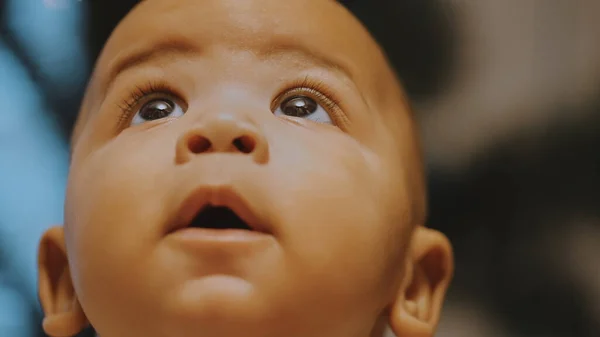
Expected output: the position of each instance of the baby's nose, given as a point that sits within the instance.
(222, 133)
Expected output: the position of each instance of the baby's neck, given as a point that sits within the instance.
(382, 330)
(385, 333)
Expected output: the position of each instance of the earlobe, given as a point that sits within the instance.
(63, 314)
(416, 311)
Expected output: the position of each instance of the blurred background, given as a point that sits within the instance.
(508, 99)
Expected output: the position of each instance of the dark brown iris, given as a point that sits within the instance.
(157, 109)
(299, 106)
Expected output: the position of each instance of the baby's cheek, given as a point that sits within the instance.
(114, 204)
(111, 235)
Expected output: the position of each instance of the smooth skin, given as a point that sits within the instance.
(192, 103)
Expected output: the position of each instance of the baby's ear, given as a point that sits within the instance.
(63, 315)
(416, 311)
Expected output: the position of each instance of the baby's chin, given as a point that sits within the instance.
(212, 294)
(219, 304)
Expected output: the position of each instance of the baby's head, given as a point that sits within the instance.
(244, 168)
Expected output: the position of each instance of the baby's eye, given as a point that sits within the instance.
(303, 107)
(157, 109)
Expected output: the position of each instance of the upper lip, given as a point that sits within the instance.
(216, 196)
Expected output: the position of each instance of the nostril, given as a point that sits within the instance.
(245, 144)
(199, 144)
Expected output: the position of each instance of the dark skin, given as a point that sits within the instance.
(261, 107)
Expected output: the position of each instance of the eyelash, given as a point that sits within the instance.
(315, 88)
(129, 105)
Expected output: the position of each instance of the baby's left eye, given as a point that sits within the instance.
(302, 106)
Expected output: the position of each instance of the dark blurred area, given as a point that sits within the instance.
(507, 94)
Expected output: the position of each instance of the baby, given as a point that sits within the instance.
(244, 168)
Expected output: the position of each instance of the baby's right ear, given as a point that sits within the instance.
(63, 315)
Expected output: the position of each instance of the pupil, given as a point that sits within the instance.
(156, 110)
(299, 106)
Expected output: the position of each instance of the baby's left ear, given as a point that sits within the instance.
(63, 315)
(417, 310)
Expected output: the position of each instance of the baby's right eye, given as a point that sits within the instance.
(157, 109)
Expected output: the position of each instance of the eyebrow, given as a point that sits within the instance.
(304, 52)
(171, 48)
(180, 47)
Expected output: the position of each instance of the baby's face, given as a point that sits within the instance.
(241, 168)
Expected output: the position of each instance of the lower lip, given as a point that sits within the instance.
(209, 237)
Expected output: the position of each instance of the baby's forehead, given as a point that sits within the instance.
(322, 28)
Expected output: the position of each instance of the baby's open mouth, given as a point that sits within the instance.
(212, 217)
